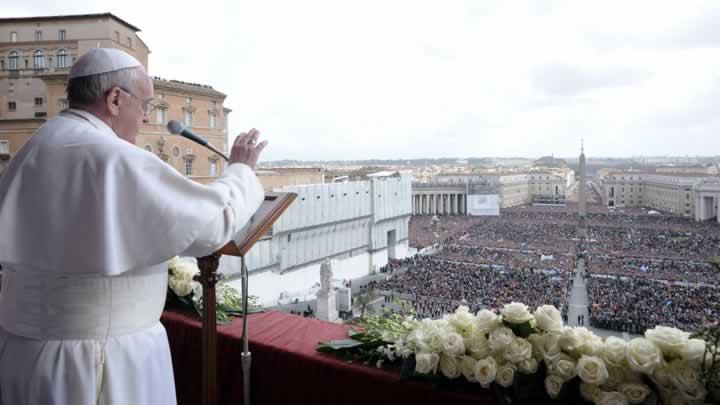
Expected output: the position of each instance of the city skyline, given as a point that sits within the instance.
(411, 80)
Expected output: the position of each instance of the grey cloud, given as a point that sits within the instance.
(570, 81)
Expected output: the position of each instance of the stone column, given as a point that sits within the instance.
(462, 204)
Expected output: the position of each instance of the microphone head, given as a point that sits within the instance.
(175, 127)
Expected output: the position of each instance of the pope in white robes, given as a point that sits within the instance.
(88, 223)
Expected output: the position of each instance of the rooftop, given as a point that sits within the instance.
(186, 86)
(69, 17)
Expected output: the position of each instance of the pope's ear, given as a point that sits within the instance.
(112, 101)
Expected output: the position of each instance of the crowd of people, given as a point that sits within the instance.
(514, 258)
(659, 269)
(435, 286)
(638, 262)
(636, 304)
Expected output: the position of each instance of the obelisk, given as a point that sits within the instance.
(582, 202)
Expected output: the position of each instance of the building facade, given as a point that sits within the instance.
(36, 54)
(359, 225)
(677, 193)
(446, 194)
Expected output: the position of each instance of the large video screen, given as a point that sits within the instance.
(487, 204)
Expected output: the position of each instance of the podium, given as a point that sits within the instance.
(259, 224)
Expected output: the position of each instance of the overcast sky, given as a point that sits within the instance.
(405, 79)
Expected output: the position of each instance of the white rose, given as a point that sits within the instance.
(661, 376)
(591, 344)
(553, 385)
(537, 340)
(589, 392)
(694, 396)
(592, 370)
(486, 321)
(467, 367)
(671, 341)
(505, 375)
(516, 312)
(477, 346)
(694, 351)
(462, 321)
(683, 377)
(614, 351)
(635, 393)
(500, 338)
(616, 376)
(181, 287)
(449, 366)
(570, 340)
(528, 366)
(425, 363)
(453, 344)
(485, 371)
(564, 366)
(550, 348)
(518, 350)
(611, 398)
(643, 355)
(548, 318)
(437, 339)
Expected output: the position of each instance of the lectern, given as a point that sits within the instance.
(258, 225)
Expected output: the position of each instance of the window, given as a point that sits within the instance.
(188, 167)
(129, 42)
(2, 64)
(61, 35)
(12, 106)
(212, 121)
(62, 103)
(38, 35)
(13, 60)
(175, 152)
(213, 168)
(160, 116)
(62, 58)
(4, 147)
(39, 59)
(117, 36)
(13, 36)
(188, 118)
(188, 100)
(38, 101)
(148, 148)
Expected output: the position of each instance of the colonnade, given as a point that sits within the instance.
(439, 204)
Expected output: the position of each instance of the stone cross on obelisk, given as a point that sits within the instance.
(582, 199)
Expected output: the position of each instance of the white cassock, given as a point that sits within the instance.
(88, 223)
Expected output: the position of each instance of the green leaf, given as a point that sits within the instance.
(522, 330)
(335, 345)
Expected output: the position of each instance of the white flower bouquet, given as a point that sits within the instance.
(185, 291)
(497, 349)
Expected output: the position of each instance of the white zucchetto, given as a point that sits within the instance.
(102, 60)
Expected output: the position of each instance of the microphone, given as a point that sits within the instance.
(177, 128)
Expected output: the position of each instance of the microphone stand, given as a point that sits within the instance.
(246, 356)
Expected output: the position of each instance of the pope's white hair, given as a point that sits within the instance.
(88, 90)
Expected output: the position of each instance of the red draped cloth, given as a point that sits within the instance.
(286, 369)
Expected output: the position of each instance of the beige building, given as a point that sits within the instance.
(671, 192)
(36, 54)
(518, 188)
(278, 177)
